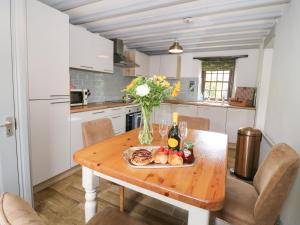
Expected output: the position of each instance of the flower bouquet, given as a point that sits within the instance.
(149, 93)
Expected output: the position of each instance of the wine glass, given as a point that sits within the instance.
(183, 131)
(163, 129)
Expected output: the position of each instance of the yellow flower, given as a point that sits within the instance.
(176, 89)
(132, 83)
(166, 84)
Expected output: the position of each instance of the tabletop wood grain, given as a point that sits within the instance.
(202, 185)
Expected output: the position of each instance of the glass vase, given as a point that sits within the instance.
(146, 130)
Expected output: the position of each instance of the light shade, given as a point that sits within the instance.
(176, 48)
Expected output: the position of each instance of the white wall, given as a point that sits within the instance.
(283, 110)
(263, 84)
(246, 68)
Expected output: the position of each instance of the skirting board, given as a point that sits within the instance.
(53, 180)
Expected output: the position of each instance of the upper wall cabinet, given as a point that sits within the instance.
(139, 58)
(48, 51)
(166, 65)
(90, 51)
(190, 67)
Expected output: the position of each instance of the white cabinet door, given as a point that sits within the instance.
(50, 138)
(143, 61)
(216, 115)
(154, 64)
(168, 65)
(237, 118)
(48, 51)
(102, 53)
(164, 112)
(186, 69)
(90, 51)
(185, 110)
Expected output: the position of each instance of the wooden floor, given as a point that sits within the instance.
(63, 203)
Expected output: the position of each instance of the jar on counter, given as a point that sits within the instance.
(188, 153)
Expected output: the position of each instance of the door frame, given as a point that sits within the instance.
(21, 103)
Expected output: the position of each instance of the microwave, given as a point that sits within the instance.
(79, 96)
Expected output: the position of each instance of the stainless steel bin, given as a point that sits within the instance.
(247, 152)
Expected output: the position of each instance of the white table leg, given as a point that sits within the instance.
(198, 216)
(89, 183)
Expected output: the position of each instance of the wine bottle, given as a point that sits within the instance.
(173, 136)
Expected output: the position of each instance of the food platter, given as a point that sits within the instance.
(127, 155)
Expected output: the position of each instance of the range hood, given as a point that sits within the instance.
(120, 59)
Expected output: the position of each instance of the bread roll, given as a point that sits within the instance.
(175, 160)
(161, 157)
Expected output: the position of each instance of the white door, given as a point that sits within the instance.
(9, 181)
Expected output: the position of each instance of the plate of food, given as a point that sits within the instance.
(155, 157)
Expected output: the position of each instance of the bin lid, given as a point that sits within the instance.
(250, 131)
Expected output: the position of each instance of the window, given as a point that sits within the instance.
(217, 78)
(216, 84)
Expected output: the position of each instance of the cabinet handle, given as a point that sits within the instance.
(53, 103)
(115, 109)
(59, 95)
(98, 112)
(115, 117)
(88, 67)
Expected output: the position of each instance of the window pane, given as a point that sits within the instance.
(219, 86)
(207, 86)
(213, 86)
(225, 86)
(206, 93)
(214, 76)
(219, 94)
(212, 94)
(208, 76)
(220, 76)
(224, 94)
(226, 76)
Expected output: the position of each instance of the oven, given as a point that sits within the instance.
(133, 117)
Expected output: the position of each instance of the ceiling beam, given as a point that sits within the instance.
(201, 37)
(270, 12)
(191, 9)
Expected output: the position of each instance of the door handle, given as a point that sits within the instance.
(53, 103)
(8, 124)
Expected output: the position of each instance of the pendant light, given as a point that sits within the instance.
(175, 48)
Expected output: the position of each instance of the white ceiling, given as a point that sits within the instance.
(152, 25)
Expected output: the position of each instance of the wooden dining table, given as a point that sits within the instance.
(199, 189)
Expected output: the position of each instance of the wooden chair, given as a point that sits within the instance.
(98, 130)
(260, 203)
(15, 211)
(197, 123)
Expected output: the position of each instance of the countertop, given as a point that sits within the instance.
(107, 105)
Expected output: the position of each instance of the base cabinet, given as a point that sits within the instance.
(185, 110)
(216, 116)
(163, 112)
(237, 118)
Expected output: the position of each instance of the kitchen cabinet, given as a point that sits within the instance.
(90, 51)
(185, 110)
(168, 65)
(164, 112)
(50, 138)
(48, 51)
(216, 115)
(164, 65)
(139, 58)
(117, 116)
(190, 67)
(154, 64)
(237, 118)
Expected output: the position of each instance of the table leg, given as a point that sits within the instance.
(89, 183)
(198, 216)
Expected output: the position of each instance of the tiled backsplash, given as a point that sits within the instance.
(107, 87)
(103, 87)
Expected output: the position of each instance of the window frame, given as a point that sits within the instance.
(230, 82)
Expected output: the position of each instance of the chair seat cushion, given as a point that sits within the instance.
(239, 204)
(15, 211)
(111, 216)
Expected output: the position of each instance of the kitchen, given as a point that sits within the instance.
(81, 56)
